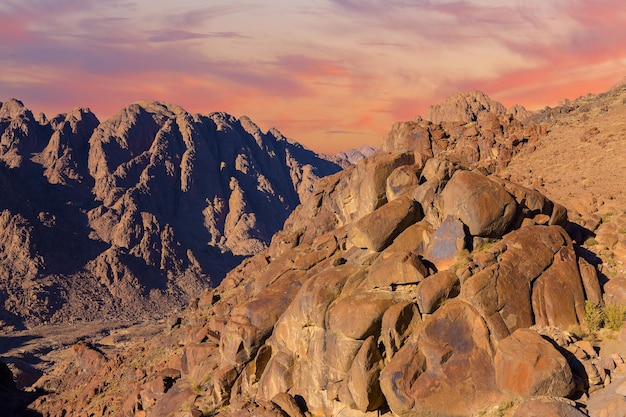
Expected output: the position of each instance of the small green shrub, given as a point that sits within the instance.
(462, 258)
(591, 242)
(606, 217)
(614, 316)
(594, 315)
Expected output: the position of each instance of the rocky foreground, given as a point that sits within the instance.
(416, 283)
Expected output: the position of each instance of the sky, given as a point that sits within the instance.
(331, 74)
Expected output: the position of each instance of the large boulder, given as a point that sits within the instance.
(370, 307)
(446, 243)
(481, 204)
(435, 290)
(527, 365)
(362, 380)
(447, 369)
(531, 260)
(378, 229)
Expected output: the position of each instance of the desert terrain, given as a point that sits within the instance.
(449, 274)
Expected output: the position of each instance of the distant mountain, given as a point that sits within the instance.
(131, 216)
(352, 156)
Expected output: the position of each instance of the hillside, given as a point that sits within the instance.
(448, 275)
(129, 218)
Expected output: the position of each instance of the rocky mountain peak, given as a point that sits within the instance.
(13, 109)
(152, 205)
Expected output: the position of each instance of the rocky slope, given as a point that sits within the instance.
(414, 283)
(130, 217)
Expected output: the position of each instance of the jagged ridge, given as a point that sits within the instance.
(133, 215)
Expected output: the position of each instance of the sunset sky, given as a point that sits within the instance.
(332, 75)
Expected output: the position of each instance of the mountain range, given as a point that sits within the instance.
(130, 217)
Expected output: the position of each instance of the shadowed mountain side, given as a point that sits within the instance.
(132, 216)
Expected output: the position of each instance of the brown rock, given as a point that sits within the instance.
(378, 229)
(247, 383)
(89, 359)
(615, 290)
(523, 256)
(551, 305)
(176, 400)
(373, 173)
(527, 365)
(464, 107)
(414, 238)
(408, 135)
(264, 309)
(591, 284)
(447, 370)
(401, 181)
(435, 290)
(340, 351)
(359, 316)
(239, 341)
(363, 378)
(532, 204)
(309, 307)
(395, 268)
(559, 216)
(547, 407)
(399, 321)
(287, 404)
(481, 204)
(606, 403)
(446, 243)
(199, 360)
(277, 376)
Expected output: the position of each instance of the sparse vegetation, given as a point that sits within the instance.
(614, 316)
(503, 407)
(594, 315)
(609, 316)
(484, 246)
(462, 257)
(591, 242)
(606, 217)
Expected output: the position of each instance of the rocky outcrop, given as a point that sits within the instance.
(350, 310)
(470, 128)
(131, 217)
(465, 107)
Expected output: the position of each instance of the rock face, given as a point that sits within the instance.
(132, 216)
(350, 312)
